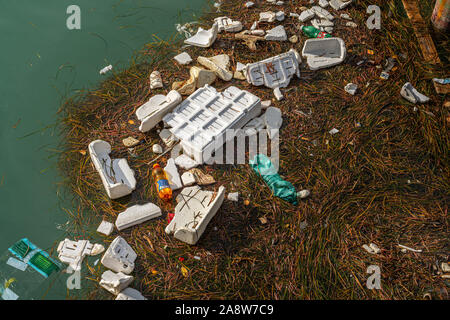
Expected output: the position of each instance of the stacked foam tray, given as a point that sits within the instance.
(202, 120)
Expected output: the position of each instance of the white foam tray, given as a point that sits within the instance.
(201, 121)
(324, 53)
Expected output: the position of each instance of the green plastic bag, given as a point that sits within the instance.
(262, 165)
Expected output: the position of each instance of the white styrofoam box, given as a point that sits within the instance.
(130, 294)
(156, 108)
(204, 38)
(274, 72)
(115, 282)
(116, 174)
(73, 252)
(137, 214)
(194, 211)
(119, 256)
(201, 121)
(324, 53)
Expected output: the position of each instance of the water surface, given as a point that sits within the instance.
(43, 62)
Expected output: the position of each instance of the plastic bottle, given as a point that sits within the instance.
(161, 182)
(312, 32)
(441, 15)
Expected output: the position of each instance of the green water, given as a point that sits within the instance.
(41, 63)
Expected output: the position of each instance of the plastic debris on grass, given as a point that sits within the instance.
(262, 165)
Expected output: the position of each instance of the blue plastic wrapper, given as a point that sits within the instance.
(262, 165)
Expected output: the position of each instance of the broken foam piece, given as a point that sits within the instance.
(137, 214)
(412, 95)
(156, 108)
(119, 256)
(183, 58)
(276, 34)
(172, 175)
(117, 177)
(273, 120)
(204, 38)
(155, 80)
(228, 25)
(185, 162)
(115, 282)
(274, 72)
(194, 211)
(307, 15)
(322, 13)
(268, 16)
(338, 4)
(219, 64)
(130, 294)
(73, 252)
(351, 88)
(105, 228)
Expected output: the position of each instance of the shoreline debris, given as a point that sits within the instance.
(274, 72)
(183, 58)
(204, 38)
(115, 282)
(263, 166)
(105, 228)
(324, 53)
(137, 214)
(194, 211)
(228, 25)
(156, 80)
(119, 257)
(153, 111)
(202, 119)
(172, 175)
(405, 248)
(412, 95)
(106, 69)
(116, 175)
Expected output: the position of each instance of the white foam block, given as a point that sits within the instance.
(194, 211)
(172, 175)
(137, 214)
(119, 256)
(117, 176)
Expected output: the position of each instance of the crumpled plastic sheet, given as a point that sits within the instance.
(262, 165)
